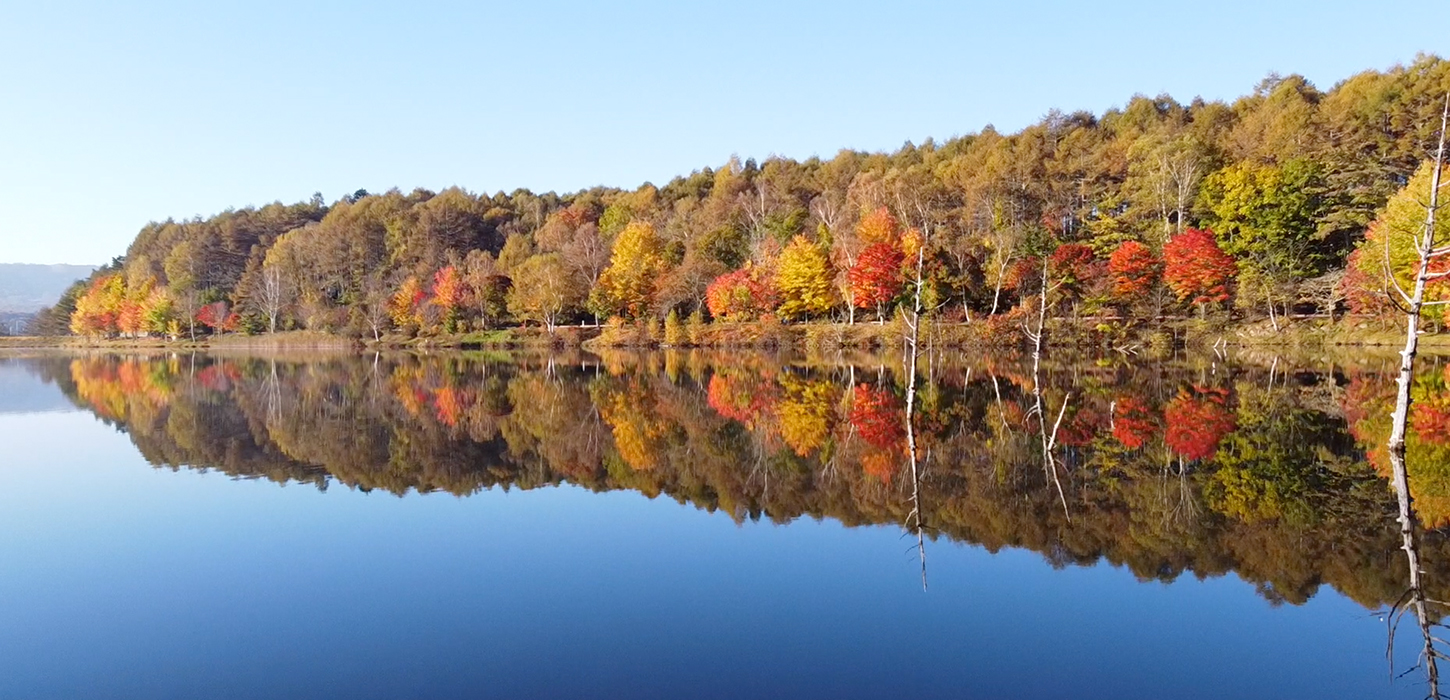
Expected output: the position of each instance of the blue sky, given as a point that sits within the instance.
(111, 117)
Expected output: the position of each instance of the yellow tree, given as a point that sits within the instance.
(1388, 258)
(405, 305)
(628, 286)
(805, 412)
(157, 312)
(131, 317)
(543, 290)
(803, 277)
(98, 310)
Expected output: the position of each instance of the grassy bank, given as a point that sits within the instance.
(523, 338)
(1008, 331)
(1321, 332)
(290, 340)
(997, 332)
(994, 333)
(530, 338)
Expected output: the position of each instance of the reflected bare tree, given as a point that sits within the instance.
(272, 394)
(1415, 601)
(1049, 437)
(913, 352)
(914, 518)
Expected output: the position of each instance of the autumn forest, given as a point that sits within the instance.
(1290, 201)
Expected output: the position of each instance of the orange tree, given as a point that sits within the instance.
(1134, 269)
(744, 294)
(1196, 269)
(449, 291)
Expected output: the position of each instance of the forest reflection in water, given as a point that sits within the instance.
(1205, 466)
(1201, 467)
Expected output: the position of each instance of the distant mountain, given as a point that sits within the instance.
(13, 322)
(28, 288)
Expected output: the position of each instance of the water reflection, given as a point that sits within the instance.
(1170, 469)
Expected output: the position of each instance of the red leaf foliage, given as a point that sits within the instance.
(742, 397)
(1431, 422)
(131, 318)
(1081, 428)
(1197, 420)
(876, 277)
(1070, 260)
(218, 377)
(216, 316)
(881, 464)
(878, 416)
(1196, 269)
(1134, 424)
(741, 295)
(451, 404)
(448, 288)
(1023, 274)
(1134, 269)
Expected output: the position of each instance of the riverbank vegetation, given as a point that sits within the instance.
(1289, 202)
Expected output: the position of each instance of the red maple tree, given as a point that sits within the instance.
(1081, 428)
(878, 417)
(448, 288)
(1076, 268)
(1023, 275)
(218, 317)
(451, 404)
(1071, 262)
(132, 317)
(876, 276)
(1196, 269)
(1134, 269)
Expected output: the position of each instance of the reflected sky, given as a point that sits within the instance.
(123, 580)
(20, 392)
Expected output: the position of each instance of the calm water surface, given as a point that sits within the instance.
(706, 526)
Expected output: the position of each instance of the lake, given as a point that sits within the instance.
(728, 525)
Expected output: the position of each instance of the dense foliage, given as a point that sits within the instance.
(1263, 198)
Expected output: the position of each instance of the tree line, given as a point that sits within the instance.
(1280, 201)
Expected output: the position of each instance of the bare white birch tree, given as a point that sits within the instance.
(1414, 600)
(271, 295)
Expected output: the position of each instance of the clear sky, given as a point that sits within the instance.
(116, 114)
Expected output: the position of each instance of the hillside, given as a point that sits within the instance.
(28, 288)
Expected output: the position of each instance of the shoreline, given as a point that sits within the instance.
(1312, 334)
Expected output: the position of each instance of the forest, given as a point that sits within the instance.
(1279, 477)
(1289, 201)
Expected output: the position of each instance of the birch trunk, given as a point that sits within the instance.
(1415, 304)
